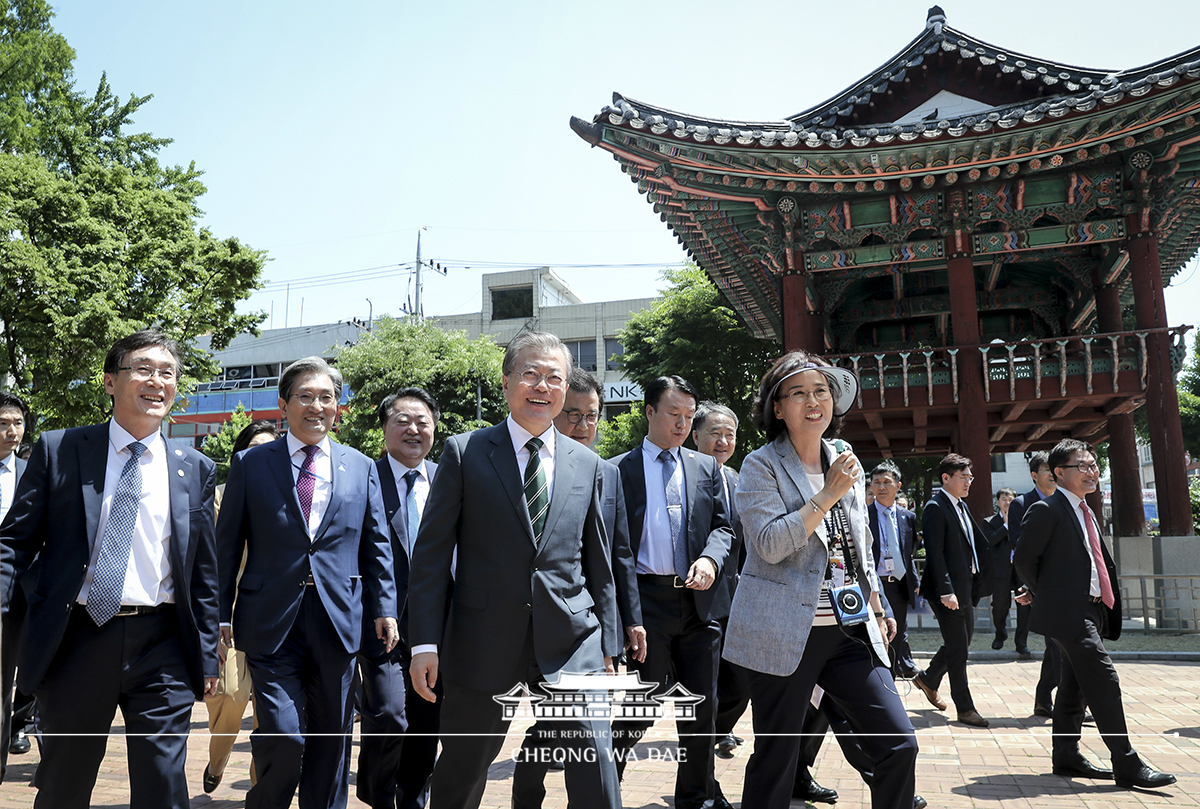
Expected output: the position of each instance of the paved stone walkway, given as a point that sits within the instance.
(1006, 765)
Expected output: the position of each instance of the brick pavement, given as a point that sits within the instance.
(1006, 765)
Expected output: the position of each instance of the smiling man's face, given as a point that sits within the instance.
(536, 388)
(408, 435)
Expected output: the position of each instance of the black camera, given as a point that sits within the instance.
(849, 605)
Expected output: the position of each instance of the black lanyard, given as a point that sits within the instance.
(837, 523)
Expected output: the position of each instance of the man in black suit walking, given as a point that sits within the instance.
(895, 536)
(127, 614)
(533, 592)
(18, 709)
(680, 534)
(1003, 578)
(956, 577)
(1073, 581)
(399, 730)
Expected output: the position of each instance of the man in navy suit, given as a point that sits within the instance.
(127, 614)
(894, 530)
(533, 591)
(957, 575)
(399, 730)
(1004, 580)
(309, 517)
(1076, 604)
(579, 419)
(18, 710)
(680, 534)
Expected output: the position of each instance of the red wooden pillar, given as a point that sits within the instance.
(802, 329)
(972, 414)
(1129, 517)
(1162, 402)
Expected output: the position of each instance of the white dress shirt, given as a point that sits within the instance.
(420, 487)
(655, 554)
(8, 483)
(1094, 587)
(323, 472)
(148, 581)
(520, 437)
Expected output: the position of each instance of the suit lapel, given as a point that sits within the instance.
(339, 481)
(791, 464)
(282, 467)
(93, 458)
(1065, 504)
(566, 464)
(397, 515)
(504, 461)
(633, 479)
(180, 479)
(691, 485)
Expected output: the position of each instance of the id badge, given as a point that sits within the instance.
(889, 565)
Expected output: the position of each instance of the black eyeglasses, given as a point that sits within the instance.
(576, 416)
(1082, 467)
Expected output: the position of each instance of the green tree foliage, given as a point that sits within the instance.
(97, 239)
(219, 446)
(407, 352)
(622, 433)
(1188, 391)
(690, 332)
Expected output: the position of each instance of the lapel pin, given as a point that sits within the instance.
(179, 452)
(180, 473)
(691, 455)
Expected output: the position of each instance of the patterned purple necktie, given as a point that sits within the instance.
(306, 483)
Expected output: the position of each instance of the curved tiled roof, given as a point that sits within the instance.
(1076, 89)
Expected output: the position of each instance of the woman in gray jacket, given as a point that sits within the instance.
(803, 510)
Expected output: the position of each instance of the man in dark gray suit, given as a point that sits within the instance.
(533, 592)
(18, 709)
(1076, 605)
(579, 419)
(399, 730)
(680, 534)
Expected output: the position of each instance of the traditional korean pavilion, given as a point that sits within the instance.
(983, 235)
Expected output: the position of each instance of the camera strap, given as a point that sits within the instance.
(838, 525)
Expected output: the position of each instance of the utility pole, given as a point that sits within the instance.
(417, 310)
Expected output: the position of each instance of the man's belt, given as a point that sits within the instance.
(1096, 599)
(129, 612)
(653, 578)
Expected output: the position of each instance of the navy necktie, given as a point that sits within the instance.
(537, 495)
(108, 579)
(412, 520)
(675, 514)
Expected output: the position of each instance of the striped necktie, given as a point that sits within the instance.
(108, 578)
(537, 496)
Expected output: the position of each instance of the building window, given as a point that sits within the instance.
(583, 353)
(512, 303)
(612, 350)
(999, 464)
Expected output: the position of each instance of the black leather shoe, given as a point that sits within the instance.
(20, 743)
(919, 802)
(1146, 777)
(1024, 653)
(813, 792)
(1039, 709)
(1081, 768)
(211, 782)
(998, 643)
(725, 746)
(720, 802)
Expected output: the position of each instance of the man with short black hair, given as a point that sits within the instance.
(18, 709)
(1073, 581)
(399, 730)
(895, 533)
(680, 534)
(1003, 578)
(956, 577)
(127, 614)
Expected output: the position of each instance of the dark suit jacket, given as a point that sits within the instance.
(1054, 562)
(506, 585)
(948, 556)
(397, 519)
(709, 532)
(616, 526)
(350, 557)
(907, 523)
(1016, 514)
(737, 549)
(56, 512)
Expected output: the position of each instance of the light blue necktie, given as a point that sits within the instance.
(675, 514)
(888, 535)
(413, 517)
(108, 579)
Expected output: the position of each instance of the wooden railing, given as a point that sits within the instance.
(914, 374)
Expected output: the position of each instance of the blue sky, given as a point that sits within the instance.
(329, 133)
